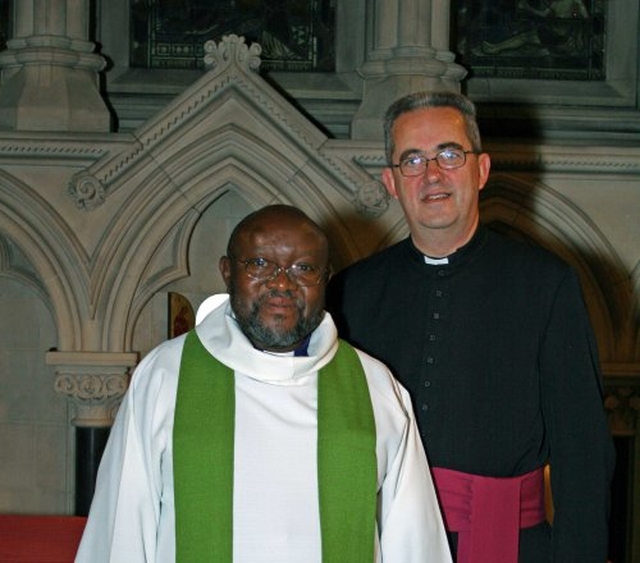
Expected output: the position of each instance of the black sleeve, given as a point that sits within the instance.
(581, 449)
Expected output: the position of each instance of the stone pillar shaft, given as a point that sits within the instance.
(408, 51)
(94, 383)
(50, 70)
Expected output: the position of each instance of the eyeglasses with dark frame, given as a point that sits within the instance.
(263, 270)
(447, 159)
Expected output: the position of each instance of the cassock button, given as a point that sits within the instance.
(432, 337)
(436, 316)
(427, 383)
(430, 360)
(424, 407)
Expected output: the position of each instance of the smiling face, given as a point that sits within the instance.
(277, 314)
(441, 206)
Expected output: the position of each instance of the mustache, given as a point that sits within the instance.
(284, 293)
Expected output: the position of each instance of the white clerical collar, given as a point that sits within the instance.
(222, 337)
(435, 261)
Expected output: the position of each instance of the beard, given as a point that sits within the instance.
(274, 337)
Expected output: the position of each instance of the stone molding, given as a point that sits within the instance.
(45, 50)
(594, 159)
(304, 151)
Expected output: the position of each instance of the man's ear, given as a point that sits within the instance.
(225, 270)
(389, 182)
(484, 167)
(328, 274)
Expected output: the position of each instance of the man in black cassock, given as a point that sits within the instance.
(492, 339)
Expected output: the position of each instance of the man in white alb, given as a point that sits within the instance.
(260, 437)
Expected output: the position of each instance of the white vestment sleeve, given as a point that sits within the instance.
(412, 509)
(125, 511)
(410, 525)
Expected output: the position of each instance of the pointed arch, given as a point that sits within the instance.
(536, 212)
(146, 246)
(52, 250)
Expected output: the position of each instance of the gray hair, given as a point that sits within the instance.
(423, 100)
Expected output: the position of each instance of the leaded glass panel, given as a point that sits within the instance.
(295, 35)
(534, 39)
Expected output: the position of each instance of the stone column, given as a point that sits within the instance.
(50, 70)
(95, 383)
(407, 50)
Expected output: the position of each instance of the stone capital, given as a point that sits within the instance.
(94, 382)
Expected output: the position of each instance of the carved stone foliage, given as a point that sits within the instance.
(232, 49)
(95, 396)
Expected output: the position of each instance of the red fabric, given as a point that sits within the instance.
(39, 539)
(488, 512)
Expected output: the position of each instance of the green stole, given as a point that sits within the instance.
(203, 458)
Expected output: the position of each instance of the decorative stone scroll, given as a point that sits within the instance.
(94, 382)
(87, 191)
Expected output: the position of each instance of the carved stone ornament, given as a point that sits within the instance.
(93, 382)
(96, 397)
(372, 200)
(230, 50)
(87, 191)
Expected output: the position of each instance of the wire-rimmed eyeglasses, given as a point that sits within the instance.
(262, 270)
(447, 159)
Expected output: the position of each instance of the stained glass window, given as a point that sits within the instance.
(535, 39)
(295, 35)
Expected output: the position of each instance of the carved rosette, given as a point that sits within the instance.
(95, 389)
(232, 49)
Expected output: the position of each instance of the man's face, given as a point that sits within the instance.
(439, 203)
(277, 314)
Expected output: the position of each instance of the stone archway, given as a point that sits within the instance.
(536, 212)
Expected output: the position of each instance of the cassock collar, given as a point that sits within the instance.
(460, 256)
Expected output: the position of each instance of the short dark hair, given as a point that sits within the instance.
(432, 99)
